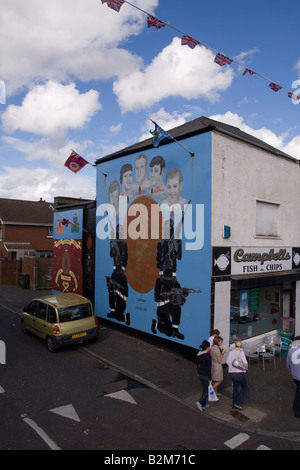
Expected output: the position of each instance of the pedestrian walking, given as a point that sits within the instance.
(237, 368)
(204, 372)
(217, 355)
(293, 365)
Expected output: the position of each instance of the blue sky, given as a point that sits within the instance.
(81, 76)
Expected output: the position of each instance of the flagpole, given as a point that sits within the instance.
(191, 154)
(94, 166)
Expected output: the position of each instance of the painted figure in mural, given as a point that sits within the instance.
(113, 195)
(59, 226)
(75, 224)
(157, 171)
(117, 284)
(174, 182)
(126, 181)
(168, 294)
(141, 184)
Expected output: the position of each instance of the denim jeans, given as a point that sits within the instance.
(204, 382)
(238, 380)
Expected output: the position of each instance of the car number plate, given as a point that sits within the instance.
(78, 335)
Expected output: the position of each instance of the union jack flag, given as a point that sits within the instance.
(275, 87)
(221, 59)
(248, 71)
(114, 4)
(188, 41)
(152, 21)
(293, 96)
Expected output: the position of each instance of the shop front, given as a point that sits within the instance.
(260, 287)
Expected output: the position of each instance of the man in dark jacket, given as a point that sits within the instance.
(203, 359)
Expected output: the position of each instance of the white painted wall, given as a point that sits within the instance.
(222, 309)
(243, 174)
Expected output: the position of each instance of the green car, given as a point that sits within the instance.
(60, 319)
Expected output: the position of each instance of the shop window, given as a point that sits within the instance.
(254, 312)
(267, 216)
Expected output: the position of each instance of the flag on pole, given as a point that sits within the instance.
(114, 4)
(159, 135)
(75, 162)
(152, 21)
(188, 41)
(221, 59)
(248, 71)
(275, 87)
(65, 222)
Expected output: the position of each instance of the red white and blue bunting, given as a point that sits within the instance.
(186, 40)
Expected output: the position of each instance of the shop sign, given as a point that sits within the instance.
(252, 260)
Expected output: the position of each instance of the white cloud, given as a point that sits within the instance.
(33, 184)
(291, 148)
(176, 71)
(51, 108)
(51, 151)
(65, 40)
(165, 120)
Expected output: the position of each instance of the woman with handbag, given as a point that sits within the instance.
(237, 368)
(217, 356)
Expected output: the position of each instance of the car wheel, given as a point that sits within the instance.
(50, 344)
(23, 327)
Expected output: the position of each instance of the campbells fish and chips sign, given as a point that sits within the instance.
(254, 260)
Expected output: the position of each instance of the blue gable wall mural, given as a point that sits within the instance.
(153, 241)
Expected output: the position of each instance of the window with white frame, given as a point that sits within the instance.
(267, 219)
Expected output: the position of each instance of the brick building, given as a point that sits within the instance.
(26, 228)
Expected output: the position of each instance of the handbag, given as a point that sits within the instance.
(211, 394)
(238, 364)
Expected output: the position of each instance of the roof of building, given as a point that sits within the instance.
(14, 246)
(18, 212)
(199, 126)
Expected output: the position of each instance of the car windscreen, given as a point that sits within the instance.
(75, 312)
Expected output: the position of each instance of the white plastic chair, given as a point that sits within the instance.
(275, 342)
(250, 356)
(266, 354)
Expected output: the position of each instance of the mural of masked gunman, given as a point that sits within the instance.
(168, 294)
(117, 284)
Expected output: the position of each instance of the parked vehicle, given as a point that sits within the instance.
(60, 319)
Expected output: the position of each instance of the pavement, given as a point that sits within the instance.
(170, 368)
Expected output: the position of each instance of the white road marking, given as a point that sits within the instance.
(41, 433)
(237, 440)
(2, 390)
(67, 411)
(122, 395)
(12, 311)
(263, 447)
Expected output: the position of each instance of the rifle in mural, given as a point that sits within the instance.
(177, 295)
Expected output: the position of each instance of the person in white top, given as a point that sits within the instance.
(214, 333)
(237, 368)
